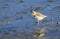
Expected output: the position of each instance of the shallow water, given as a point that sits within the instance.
(16, 20)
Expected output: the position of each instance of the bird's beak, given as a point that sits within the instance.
(46, 16)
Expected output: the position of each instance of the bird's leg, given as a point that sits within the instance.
(38, 22)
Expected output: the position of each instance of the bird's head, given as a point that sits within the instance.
(33, 13)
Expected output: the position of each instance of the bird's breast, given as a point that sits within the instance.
(38, 18)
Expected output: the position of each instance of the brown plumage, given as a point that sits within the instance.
(38, 15)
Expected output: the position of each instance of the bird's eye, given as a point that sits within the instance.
(32, 13)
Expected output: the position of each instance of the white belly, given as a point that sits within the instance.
(39, 18)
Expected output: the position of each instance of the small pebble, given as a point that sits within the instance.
(51, 23)
(45, 20)
(7, 17)
(21, 1)
(5, 6)
(47, 5)
(18, 13)
(57, 8)
(6, 32)
(51, 19)
(14, 30)
(19, 18)
(51, 0)
(1, 20)
(58, 23)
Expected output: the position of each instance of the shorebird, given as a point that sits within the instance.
(38, 16)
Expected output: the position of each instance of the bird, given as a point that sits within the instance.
(38, 16)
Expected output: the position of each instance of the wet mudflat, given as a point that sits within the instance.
(16, 21)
